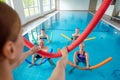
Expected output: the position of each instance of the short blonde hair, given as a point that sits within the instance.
(82, 44)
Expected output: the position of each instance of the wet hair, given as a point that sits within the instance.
(43, 29)
(82, 44)
(77, 28)
(10, 24)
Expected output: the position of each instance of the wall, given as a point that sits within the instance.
(19, 8)
(92, 5)
(74, 4)
(116, 8)
(109, 10)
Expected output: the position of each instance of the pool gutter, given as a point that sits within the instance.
(106, 21)
(36, 23)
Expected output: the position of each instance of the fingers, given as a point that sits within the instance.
(75, 65)
(35, 49)
(64, 51)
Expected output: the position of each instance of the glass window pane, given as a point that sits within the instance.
(35, 2)
(3, 1)
(46, 5)
(36, 10)
(53, 4)
(26, 11)
(31, 11)
(30, 3)
(32, 7)
(25, 3)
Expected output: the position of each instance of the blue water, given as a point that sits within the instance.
(105, 45)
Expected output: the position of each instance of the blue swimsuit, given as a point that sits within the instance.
(81, 57)
(74, 37)
(42, 37)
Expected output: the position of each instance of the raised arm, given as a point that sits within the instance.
(74, 58)
(59, 71)
(87, 60)
(48, 38)
(38, 37)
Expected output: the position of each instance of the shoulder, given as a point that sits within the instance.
(73, 34)
(46, 35)
(76, 52)
(46, 47)
(86, 53)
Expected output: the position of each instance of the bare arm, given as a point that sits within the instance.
(48, 38)
(74, 58)
(87, 60)
(73, 35)
(24, 56)
(21, 59)
(38, 38)
(59, 71)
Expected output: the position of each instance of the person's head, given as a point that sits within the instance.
(11, 43)
(77, 30)
(41, 42)
(42, 31)
(81, 46)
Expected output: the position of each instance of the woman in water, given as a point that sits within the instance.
(76, 34)
(11, 46)
(43, 36)
(80, 56)
(35, 57)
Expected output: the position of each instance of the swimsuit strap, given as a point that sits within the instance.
(83, 53)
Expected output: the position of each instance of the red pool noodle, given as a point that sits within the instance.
(98, 15)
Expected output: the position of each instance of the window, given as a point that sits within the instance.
(53, 4)
(31, 7)
(9, 2)
(46, 5)
(3, 1)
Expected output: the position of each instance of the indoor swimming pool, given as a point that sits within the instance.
(106, 44)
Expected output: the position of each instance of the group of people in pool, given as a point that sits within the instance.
(41, 39)
(79, 56)
(11, 46)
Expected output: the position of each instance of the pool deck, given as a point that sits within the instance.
(31, 25)
(38, 21)
(107, 19)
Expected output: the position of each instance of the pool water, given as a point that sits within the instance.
(106, 44)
